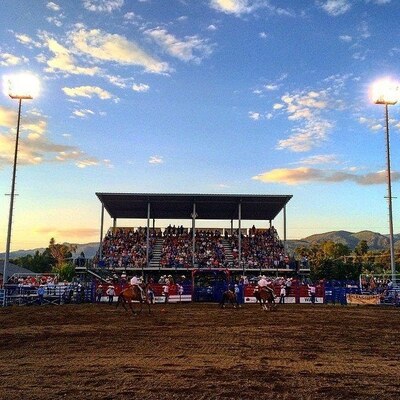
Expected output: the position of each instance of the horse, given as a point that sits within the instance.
(133, 293)
(230, 297)
(266, 297)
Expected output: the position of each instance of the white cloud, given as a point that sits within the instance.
(379, 2)
(140, 87)
(82, 113)
(306, 137)
(319, 159)
(117, 81)
(236, 7)
(263, 35)
(277, 106)
(255, 116)
(345, 38)
(112, 47)
(311, 128)
(103, 5)
(335, 7)
(156, 160)
(27, 40)
(191, 48)
(212, 27)
(64, 61)
(271, 86)
(53, 6)
(303, 175)
(87, 91)
(376, 127)
(7, 60)
(33, 147)
(55, 21)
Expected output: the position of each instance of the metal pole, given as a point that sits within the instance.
(389, 189)
(284, 229)
(193, 233)
(10, 215)
(147, 239)
(240, 235)
(101, 232)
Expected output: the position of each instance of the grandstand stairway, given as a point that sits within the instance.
(155, 260)
(228, 252)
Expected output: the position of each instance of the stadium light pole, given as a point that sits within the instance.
(21, 87)
(386, 92)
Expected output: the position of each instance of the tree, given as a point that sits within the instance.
(60, 252)
(361, 248)
(39, 262)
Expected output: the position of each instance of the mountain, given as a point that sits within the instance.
(89, 249)
(375, 240)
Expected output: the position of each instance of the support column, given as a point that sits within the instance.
(284, 228)
(231, 227)
(101, 232)
(114, 223)
(147, 239)
(240, 235)
(194, 215)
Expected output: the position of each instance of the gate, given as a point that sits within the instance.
(209, 285)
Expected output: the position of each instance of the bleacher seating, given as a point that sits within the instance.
(125, 248)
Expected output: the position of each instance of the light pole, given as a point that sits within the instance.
(386, 92)
(21, 87)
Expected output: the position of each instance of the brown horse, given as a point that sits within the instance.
(229, 297)
(133, 293)
(266, 297)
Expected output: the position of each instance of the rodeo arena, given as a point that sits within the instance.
(179, 264)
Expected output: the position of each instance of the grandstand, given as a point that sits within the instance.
(157, 247)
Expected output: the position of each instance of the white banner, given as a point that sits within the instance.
(307, 300)
(173, 298)
(288, 300)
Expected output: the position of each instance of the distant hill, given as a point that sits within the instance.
(375, 240)
(89, 249)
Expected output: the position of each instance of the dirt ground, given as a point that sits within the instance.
(199, 351)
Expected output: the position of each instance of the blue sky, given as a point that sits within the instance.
(207, 96)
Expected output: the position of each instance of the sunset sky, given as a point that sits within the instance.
(198, 96)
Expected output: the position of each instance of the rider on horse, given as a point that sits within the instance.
(263, 284)
(135, 281)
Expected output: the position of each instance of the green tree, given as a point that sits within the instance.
(39, 262)
(60, 252)
(361, 248)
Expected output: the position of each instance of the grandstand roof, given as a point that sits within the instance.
(180, 206)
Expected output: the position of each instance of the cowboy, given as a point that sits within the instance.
(135, 281)
(264, 284)
(110, 293)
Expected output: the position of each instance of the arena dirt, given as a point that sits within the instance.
(199, 351)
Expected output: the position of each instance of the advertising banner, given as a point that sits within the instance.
(363, 299)
(307, 300)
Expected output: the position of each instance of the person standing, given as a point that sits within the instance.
(179, 289)
(110, 293)
(99, 293)
(282, 295)
(40, 293)
(312, 290)
(166, 293)
(288, 286)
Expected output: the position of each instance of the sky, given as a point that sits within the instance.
(198, 96)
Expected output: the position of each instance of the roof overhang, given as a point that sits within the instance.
(180, 206)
